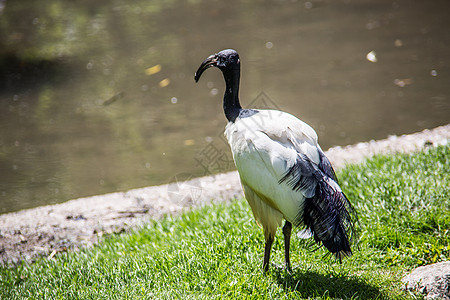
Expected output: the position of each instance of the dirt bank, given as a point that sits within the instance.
(47, 230)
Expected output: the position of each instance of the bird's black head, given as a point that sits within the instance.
(225, 60)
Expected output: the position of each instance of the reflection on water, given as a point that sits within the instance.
(99, 96)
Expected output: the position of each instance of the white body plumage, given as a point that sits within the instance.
(265, 145)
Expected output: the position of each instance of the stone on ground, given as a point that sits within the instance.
(433, 281)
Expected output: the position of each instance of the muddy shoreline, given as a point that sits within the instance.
(48, 230)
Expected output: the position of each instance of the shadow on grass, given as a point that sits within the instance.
(311, 284)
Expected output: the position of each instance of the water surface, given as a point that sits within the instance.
(99, 96)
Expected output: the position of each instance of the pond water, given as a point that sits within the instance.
(99, 96)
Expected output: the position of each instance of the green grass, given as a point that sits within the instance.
(216, 252)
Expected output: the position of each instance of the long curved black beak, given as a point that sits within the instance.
(211, 61)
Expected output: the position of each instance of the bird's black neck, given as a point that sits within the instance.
(231, 104)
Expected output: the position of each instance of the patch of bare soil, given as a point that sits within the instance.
(48, 230)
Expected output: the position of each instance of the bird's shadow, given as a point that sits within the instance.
(310, 284)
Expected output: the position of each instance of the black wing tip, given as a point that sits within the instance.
(327, 213)
(331, 218)
(302, 175)
(342, 255)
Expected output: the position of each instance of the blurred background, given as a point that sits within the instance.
(99, 96)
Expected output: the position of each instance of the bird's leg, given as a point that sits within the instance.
(267, 248)
(287, 228)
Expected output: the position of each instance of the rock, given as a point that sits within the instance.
(433, 281)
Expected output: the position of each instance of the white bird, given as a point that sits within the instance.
(284, 172)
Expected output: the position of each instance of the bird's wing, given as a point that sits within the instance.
(265, 146)
(292, 133)
(283, 129)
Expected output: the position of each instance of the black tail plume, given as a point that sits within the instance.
(326, 212)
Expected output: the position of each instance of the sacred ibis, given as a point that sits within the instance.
(284, 172)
